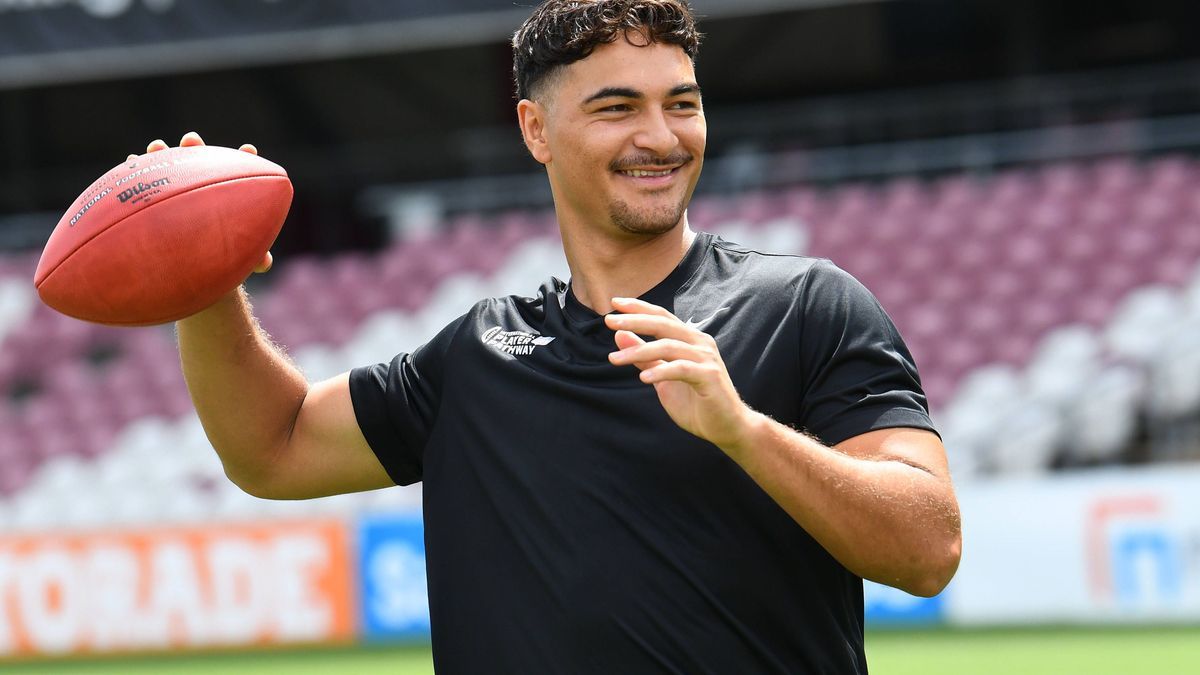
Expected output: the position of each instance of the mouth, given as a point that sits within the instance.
(651, 177)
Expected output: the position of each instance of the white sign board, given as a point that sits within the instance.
(1103, 546)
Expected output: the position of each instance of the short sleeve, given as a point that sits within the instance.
(858, 375)
(396, 404)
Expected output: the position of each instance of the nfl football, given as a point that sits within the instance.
(163, 235)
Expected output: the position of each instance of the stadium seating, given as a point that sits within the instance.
(1053, 312)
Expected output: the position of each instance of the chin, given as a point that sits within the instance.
(647, 221)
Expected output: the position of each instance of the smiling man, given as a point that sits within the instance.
(684, 460)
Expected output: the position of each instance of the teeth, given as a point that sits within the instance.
(637, 173)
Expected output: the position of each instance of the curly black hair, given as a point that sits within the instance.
(561, 32)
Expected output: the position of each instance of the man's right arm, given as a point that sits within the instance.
(277, 436)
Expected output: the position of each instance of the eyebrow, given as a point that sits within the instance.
(626, 92)
(690, 88)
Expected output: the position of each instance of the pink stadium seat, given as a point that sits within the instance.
(1176, 268)
(805, 202)
(1171, 173)
(10, 367)
(1050, 216)
(1154, 209)
(1117, 175)
(14, 474)
(1063, 180)
(754, 207)
(1012, 188)
(907, 196)
(974, 270)
(348, 273)
(704, 212)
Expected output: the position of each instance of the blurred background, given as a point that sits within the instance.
(1016, 180)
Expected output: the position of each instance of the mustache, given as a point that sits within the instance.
(673, 159)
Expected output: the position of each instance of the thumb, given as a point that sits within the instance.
(265, 264)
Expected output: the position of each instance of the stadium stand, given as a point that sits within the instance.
(1018, 294)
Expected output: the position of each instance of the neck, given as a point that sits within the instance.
(604, 267)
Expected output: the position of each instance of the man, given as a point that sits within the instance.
(684, 460)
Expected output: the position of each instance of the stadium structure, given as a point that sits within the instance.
(1016, 181)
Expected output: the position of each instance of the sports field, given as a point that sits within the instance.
(1043, 651)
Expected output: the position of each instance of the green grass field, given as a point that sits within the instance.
(1042, 651)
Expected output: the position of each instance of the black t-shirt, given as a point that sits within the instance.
(572, 527)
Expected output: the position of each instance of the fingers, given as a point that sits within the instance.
(190, 139)
(651, 354)
(679, 352)
(625, 339)
(644, 318)
(633, 305)
(697, 374)
(655, 325)
(266, 263)
(628, 343)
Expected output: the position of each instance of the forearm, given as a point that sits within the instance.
(246, 392)
(882, 518)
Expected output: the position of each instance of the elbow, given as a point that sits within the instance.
(254, 481)
(251, 484)
(937, 570)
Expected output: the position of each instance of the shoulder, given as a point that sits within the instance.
(759, 257)
(793, 271)
(519, 305)
(812, 289)
(514, 311)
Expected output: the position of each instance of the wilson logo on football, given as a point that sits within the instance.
(130, 193)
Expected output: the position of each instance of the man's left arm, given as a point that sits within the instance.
(881, 503)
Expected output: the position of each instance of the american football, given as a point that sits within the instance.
(163, 235)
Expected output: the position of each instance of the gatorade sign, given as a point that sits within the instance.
(220, 586)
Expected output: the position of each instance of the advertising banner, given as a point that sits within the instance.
(1117, 545)
(230, 585)
(394, 596)
(885, 606)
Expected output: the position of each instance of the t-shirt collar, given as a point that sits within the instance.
(663, 293)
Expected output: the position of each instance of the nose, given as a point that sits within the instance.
(655, 134)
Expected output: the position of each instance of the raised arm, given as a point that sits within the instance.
(277, 436)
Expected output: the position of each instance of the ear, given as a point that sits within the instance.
(531, 115)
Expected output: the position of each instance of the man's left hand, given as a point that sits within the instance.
(685, 368)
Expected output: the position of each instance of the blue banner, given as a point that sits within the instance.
(393, 595)
(886, 606)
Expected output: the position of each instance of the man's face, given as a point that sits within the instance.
(624, 137)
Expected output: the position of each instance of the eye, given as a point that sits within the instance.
(684, 105)
(616, 107)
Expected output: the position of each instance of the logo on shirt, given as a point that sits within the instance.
(692, 323)
(515, 342)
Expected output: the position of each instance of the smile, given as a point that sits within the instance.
(640, 173)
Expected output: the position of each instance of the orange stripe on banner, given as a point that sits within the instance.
(228, 585)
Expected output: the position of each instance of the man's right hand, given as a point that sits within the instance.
(277, 436)
(191, 139)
